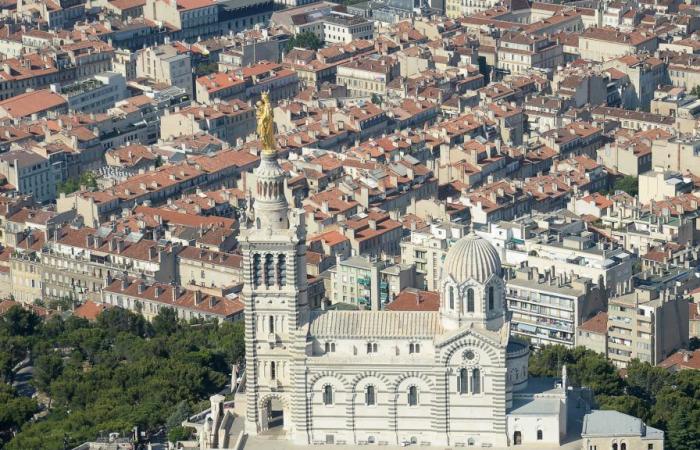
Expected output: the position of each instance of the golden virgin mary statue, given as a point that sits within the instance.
(266, 126)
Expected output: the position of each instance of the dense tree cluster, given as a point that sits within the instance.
(86, 179)
(666, 400)
(307, 40)
(110, 375)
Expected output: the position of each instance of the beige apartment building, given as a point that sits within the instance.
(646, 324)
(518, 52)
(602, 44)
(366, 76)
(203, 268)
(167, 64)
(679, 153)
(660, 184)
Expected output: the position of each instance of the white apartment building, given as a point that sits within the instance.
(93, 95)
(426, 249)
(563, 246)
(548, 307)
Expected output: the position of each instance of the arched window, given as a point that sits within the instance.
(462, 381)
(282, 270)
(452, 298)
(271, 324)
(614, 446)
(273, 371)
(476, 381)
(412, 396)
(471, 442)
(269, 274)
(328, 347)
(490, 298)
(370, 398)
(539, 435)
(257, 275)
(623, 446)
(328, 394)
(470, 300)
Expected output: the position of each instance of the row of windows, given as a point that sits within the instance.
(370, 396)
(372, 347)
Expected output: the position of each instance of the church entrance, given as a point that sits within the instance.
(272, 417)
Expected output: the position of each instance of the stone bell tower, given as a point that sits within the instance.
(274, 293)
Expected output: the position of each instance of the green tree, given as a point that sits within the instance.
(307, 40)
(14, 410)
(180, 414)
(695, 91)
(179, 433)
(71, 185)
(684, 429)
(376, 99)
(47, 368)
(628, 184)
(166, 321)
(21, 322)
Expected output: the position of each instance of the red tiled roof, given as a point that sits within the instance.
(90, 310)
(597, 324)
(414, 300)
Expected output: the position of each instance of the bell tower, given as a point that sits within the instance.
(275, 289)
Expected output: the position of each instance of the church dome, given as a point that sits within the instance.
(472, 257)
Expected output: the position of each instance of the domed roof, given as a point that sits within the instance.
(472, 257)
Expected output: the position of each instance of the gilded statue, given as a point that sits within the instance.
(266, 127)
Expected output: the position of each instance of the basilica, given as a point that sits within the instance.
(450, 377)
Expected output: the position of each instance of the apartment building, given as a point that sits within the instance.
(75, 262)
(647, 325)
(329, 21)
(678, 153)
(93, 95)
(547, 307)
(29, 173)
(645, 74)
(560, 240)
(201, 268)
(372, 234)
(32, 105)
(368, 283)
(602, 44)
(660, 184)
(426, 249)
(231, 121)
(148, 299)
(170, 64)
(519, 52)
(369, 75)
